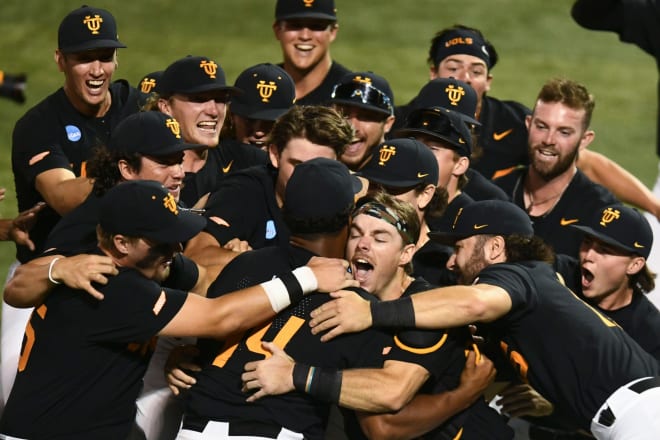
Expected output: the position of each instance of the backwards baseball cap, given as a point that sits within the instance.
(145, 209)
(622, 227)
(319, 9)
(486, 217)
(365, 90)
(464, 42)
(451, 94)
(149, 133)
(268, 92)
(401, 163)
(440, 123)
(191, 74)
(147, 85)
(87, 28)
(320, 188)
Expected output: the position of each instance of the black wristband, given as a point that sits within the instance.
(325, 384)
(293, 287)
(300, 373)
(398, 313)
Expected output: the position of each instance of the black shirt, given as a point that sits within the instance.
(321, 94)
(53, 134)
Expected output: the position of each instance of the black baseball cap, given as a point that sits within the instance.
(150, 133)
(87, 28)
(622, 227)
(320, 188)
(318, 9)
(365, 90)
(193, 74)
(440, 123)
(268, 92)
(451, 94)
(147, 85)
(401, 163)
(145, 209)
(486, 217)
(465, 42)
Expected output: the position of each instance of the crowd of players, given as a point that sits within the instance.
(487, 279)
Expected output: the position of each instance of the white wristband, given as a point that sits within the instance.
(277, 294)
(50, 271)
(306, 278)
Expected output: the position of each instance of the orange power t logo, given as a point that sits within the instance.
(93, 23)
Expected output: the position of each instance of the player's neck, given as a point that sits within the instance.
(194, 160)
(615, 300)
(396, 287)
(307, 80)
(91, 110)
(541, 196)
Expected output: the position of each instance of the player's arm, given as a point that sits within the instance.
(62, 190)
(626, 187)
(205, 250)
(18, 228)
(605, 15)
(243, 309)
(428, 411)
(34, 280)
(443, 307)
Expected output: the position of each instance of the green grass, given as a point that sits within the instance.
(536, 40)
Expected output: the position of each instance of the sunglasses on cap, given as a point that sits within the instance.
(365, 92)
(434, 121)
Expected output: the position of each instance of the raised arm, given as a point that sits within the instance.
(597, 14)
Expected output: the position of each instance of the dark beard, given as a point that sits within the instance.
(559, 168)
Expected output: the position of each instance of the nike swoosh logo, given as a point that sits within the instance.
(477, 227)
(638, 246)
(421, 175)
(500, 136)
(228, 167)
(565, 222)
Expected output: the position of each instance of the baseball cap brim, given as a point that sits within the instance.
(315, 15)
(188, 225)
(175, 148)
(407, 132)
(91, 45)
(394, 183)
(604, 238)
(360, 105)
(246, 111)
(207, 88)
(447, 238)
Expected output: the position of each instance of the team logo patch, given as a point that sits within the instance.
(209, 67)
(609, 215)
(147, 85)
(455, 94)
(386, 152)
(266, 90)
(93, 23)
(271, 232)
(73, 133)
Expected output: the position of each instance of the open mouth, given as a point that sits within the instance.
(362, 268)
(209, 126)
(304, 47)
(587, 278)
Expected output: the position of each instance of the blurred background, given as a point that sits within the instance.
(535, 39)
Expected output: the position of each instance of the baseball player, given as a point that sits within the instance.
(552, 190)
(367, 101)
(305, 31)
(53, 140)
(543, 328)
(82, 361)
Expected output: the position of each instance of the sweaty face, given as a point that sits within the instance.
(555, 136)
(164, 169)
(468, 259)
(370, 128)
(296, 151)
(200, 116)
(374, 250)
(467, 68)
(153, 260)
(251, 131)
(604, 269)
(304, 42)
(87, 78)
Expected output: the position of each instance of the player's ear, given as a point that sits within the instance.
(274, 155)
(635, 265)
(495, 249)
(127, 172)
(59, 58)
(121, 243)
(407, 254)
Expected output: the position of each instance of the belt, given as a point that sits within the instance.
(237, 427)
(542, 433)
(606, 416)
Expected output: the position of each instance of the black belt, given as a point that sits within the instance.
(237, 427)
(541, 433)
(606, 416)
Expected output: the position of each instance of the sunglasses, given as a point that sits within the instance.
(436, 122)
(364, 92)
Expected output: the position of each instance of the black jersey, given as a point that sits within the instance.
(53, 134)
(246, 203)
(321, 94)
(501, 139)
(581, 199)
(442, 354)
(572, 354)
(217, 394)
(636, 22)
(228, 157)
(82, 360)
